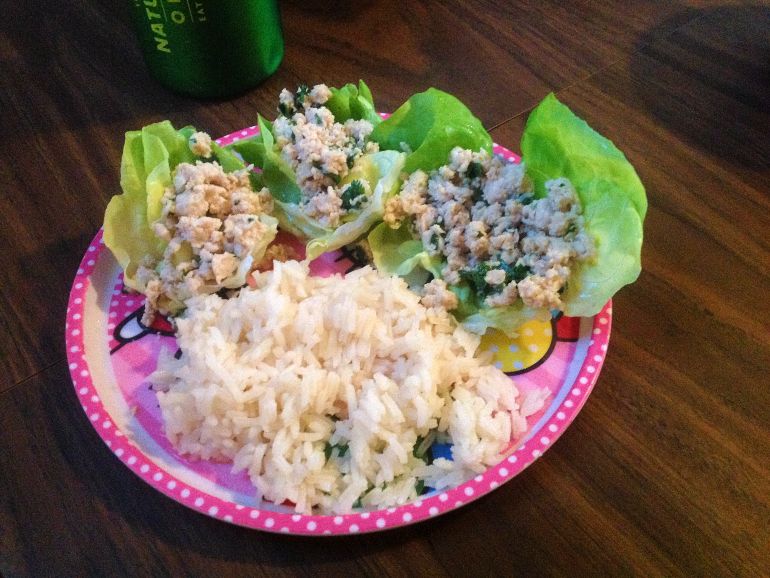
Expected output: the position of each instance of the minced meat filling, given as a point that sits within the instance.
(210, 220)
(479, 213)
(321, 151)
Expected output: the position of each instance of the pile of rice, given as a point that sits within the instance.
(321, 389)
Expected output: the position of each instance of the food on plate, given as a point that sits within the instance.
(190, 220)
(332, 393)
(367, 389)
(562, 231)
(330, 181)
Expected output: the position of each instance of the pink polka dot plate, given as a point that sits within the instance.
(111, 354)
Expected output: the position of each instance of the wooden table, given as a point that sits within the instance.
(665, 471)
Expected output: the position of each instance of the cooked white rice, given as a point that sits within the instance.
(320, 387)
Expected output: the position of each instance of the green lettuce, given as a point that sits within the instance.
(380, 171)
(353, 102)
(397, 252)
(431, 124)
(556, 143)
(150, 156)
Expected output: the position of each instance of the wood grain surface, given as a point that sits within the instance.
(664, 472)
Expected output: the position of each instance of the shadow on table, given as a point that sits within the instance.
(709, 82)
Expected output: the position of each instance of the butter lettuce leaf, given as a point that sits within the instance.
(556, 143)
(381, 169)
(353, 102)
(429, 125)
(397, 252)
(506, 319)
(149, 157)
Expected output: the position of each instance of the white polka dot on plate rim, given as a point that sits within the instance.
(407, 517)
(269, 523)
(380, 523)
(468, 491)
(353, 528)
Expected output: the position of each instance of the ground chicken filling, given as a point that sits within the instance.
(479, 213)
(322, 151)
(211, 221)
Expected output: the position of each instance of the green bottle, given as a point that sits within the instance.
(210, 48)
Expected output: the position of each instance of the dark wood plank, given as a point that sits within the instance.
(75, 86)
(496, 56)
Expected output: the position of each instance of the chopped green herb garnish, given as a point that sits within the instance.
(303, 90)
(342, 449)
(526, 198)
(517, 273)
(476, 277)
(474, 170)
(419, 487)
(352, 196)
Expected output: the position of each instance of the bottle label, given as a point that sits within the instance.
(164, 13)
